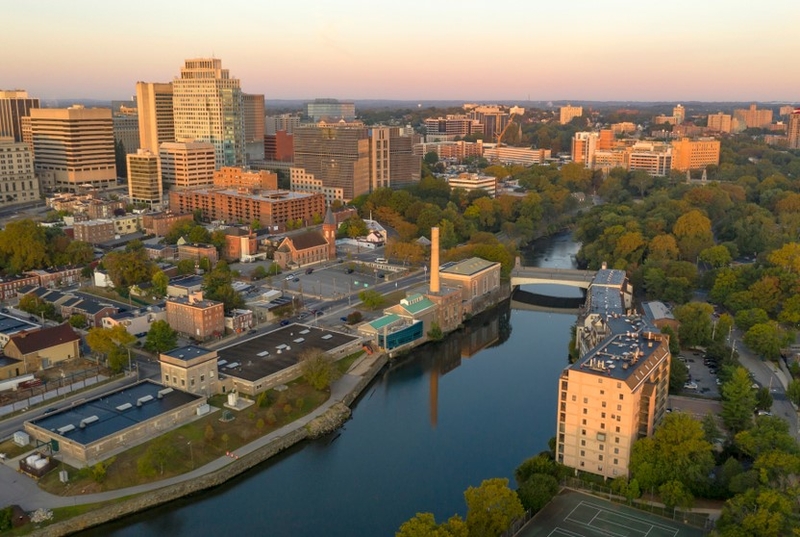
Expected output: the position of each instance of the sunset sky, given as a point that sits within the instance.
(704, 50)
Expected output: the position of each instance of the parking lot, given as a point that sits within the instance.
(702, 377)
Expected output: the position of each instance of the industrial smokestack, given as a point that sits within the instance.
(434, 260)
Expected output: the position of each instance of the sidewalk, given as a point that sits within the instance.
(19, 489)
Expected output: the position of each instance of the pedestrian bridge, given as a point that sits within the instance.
(533, 275)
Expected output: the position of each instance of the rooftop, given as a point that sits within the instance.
(416, 303)
(269, 353)
(112, 412)
(609, 277)
(188, 352)
(381, 322)
(656, 310)
(36, 340)
(467, 267)
(11, 325)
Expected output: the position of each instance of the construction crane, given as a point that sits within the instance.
(515, 111)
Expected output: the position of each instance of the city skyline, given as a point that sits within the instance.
(437, 51)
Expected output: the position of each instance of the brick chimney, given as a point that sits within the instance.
(434, 260)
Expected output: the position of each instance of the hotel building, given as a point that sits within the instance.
(73, 147)
(208, 107)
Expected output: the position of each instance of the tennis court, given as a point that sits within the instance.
(574, 514)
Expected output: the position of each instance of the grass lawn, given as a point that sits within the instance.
(190, 446)
(12, 450)
(344, 364)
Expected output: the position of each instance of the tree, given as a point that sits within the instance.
(491, 507)
(371, 299)
(695, 319)
(160, 283)
(156, 457)
(675, 494)
(537, 491)
(716, 256)
(318, 368)
(769, 433)
(186, 266)
(259, 273)
(793, 392)
(763, 399)
(767, 339)
(424, 525)
(34, 305)
(77, 320)
(435, 333)
(756, 513)
(23, 246)
(111, 342)
(738, 401)
(80, 253)
(161, 337)
(693, 233)
(678, 375)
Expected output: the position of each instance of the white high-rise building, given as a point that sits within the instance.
(208, 107)
(154, 105)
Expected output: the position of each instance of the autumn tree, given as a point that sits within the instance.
(23, 246)
(767, 339)
(318, 368)
(491, 507)
(160, 283)
(693, 234)
(161, 337)
(113, 343)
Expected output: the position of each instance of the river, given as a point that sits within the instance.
(431, 425)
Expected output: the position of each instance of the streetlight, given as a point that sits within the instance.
(191, 452)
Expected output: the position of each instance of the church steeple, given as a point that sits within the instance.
(329, 232)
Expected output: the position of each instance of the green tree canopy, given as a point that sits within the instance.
(491, 507)
(161, 337)
(738, 401)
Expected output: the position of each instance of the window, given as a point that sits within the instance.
(585, 411)
(583, 442)
(581, 464)
(583, 453)
(583, 432)
(616, 451)
(601, 447)
(616, 439)
(621, 397)
(617, 429)
(602, 392)
(602, 425)
(604, 404)
(603, 415)
(202, 378)
(574, 397)
(585, 400)
(616, 461)
(600, 457)
(619, 407)
(599, 381)
(583, 421)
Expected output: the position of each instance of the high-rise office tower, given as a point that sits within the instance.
(392, 160)
(794, 129)
(337, 155)
(73, 146)
(156, 123)
(14, 105)
(144, 177)
(254, 126)
(18, 182)
(208, 107)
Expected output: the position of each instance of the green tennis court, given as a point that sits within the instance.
(574, 514)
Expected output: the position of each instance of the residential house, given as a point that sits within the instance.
(41, 349)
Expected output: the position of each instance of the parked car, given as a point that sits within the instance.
(285, 322)
(343, 319)
(381, 275)
(349, 271)
(296, 280)
(309, 270)
(690, 386)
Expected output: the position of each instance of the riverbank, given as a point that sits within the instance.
(329, 416)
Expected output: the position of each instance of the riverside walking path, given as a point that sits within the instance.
(17, 488)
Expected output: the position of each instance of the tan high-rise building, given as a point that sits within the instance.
(392, 160)
(187, 165)
(719, 122)
(144, 177)
(125, 118)
(283, 122)
(753, 118)
(336, 154)
(696, 154)
(584, 144)
(14, 105)
(73, 146)
(793, 132)
(18, 182)
(154, 106)
(568, 113)
(208, 107)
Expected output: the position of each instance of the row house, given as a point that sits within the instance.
(10, 285)
(93, 310)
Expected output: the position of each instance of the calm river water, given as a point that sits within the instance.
(431, 425)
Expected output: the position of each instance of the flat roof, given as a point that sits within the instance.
(269, 353)
(111, 413)
(467, 267)
(380, 322)
(187, 352)
(12, 325)
(609, 277)
(605, 300)
(656, 310)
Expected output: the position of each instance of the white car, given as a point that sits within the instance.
(690, 386)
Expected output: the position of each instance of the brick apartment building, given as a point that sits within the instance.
(160, 224)
(195, 317)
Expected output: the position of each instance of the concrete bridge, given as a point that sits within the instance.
(532, 275)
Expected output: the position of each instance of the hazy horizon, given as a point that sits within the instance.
(439, 51)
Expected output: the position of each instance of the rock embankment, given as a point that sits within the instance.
(328, 422)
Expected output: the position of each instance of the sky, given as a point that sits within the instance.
(498, 50)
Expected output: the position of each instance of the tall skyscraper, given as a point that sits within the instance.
(208, 107)
(14, 105)
(392, 160)
(73, 146)
(144, 177)
(794, 129)
(18, 181)
(254, 126)
(156, 123)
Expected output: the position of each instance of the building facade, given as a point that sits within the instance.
(73, 147)
(190, 369)
(230, 177)
(160, 224)
(196, 318)
(253, 111)
(568, 113)
(154, 113)
(187, 164)
(696, 154)
(331, 110)
(474, 181)
(125, 120)
(793, 132)
(18, 182)
(283, 122)
(270, 208)
(144, 177)
(753, 118)
(719, 122)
